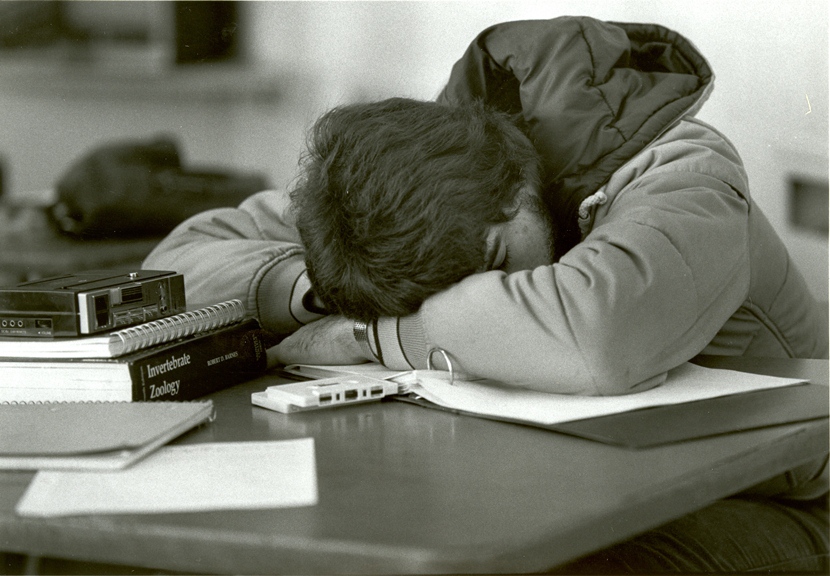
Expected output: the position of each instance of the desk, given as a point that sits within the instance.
(408, 489)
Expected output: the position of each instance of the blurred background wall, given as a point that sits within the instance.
(292, 60)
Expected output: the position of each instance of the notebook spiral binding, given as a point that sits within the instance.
(50, 402)
(180, 325)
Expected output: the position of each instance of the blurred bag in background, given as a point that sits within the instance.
(130, 189)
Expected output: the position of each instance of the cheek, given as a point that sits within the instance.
(530, 245)
(536, 253)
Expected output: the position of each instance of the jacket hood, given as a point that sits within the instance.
(592, 94)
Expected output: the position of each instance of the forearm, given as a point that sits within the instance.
(630, 302)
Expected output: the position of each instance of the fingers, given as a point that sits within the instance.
(326, 341)
(298, 350)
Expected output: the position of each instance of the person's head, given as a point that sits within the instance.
(400, 199)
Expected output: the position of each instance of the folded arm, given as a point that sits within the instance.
(252, 253)
(660, 273)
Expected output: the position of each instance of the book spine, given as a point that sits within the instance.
(197, 367)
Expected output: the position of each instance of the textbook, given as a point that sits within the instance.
(180, 370)
(91, 436)
(692, 402)
(126, 340)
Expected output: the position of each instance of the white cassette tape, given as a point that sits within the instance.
(323, 393)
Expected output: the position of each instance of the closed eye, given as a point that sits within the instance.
(505, 263)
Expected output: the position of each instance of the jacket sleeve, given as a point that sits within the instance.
(252, 252)
(660, 273)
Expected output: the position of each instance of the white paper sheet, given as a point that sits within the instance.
(686, 383)
(319, 372)
(189, 478)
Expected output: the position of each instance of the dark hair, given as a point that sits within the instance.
(396, 198)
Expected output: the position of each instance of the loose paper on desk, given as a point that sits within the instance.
(185, 478)
(686, 383)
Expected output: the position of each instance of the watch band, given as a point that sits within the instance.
(361, 335)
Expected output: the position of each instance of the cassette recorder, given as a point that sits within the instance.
(89, 302)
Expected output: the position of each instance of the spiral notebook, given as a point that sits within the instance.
(91, 435)
(126, 340)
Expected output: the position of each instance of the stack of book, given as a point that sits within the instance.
(177, 358)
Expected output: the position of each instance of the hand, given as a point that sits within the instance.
(329, 340)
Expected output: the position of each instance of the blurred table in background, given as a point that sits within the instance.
(30, 248)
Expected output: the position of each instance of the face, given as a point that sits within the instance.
(526, 241)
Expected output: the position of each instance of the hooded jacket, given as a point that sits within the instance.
(663, 253)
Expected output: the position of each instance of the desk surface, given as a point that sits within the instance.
(408, 489)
